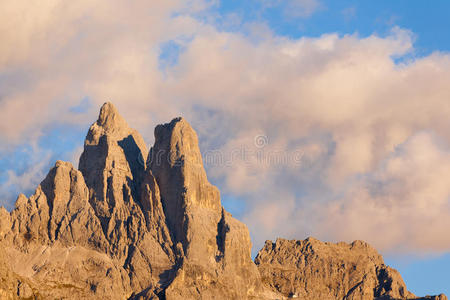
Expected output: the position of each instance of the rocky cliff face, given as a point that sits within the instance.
(213, 248)
(133, 224)
(126, 201)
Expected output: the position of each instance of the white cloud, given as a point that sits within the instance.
(345, 98)
(403, 204)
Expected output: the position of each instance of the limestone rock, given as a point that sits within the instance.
(126, 199)
(112, 165)
(214, 249)
(176, 163)
(311, 269)
(58, 211)
(5, 223)
(13, 286)
(51, 237)
(58, 272)
(81, 215)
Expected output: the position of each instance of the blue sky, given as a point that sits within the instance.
(427, 20)
(361, 87)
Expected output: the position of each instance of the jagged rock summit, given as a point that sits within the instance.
(136, 224)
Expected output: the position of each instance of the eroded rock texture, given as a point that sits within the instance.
(213, 248)
(311, 269)
(133, 224)
(126, 200)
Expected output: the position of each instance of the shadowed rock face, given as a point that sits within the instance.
(126, 200)
(113, 168)
(119, 228)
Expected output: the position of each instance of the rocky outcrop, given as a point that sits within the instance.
(110, 165)
(52, 238)
(58, 211)
(213, 248)
(311, 269)
(126, 200)
(132, 224)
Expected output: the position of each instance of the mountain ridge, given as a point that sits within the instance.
(132, 223)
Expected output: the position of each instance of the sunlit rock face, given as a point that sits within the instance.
(136, 224)
(214, 248)
(310, 269)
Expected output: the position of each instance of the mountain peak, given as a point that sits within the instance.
(113, 165)
(110, 119)
(120, 229)
(176, 152)
(107, 112)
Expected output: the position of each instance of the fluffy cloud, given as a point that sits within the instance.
(403, 203)
(54, 53)
(357, 145)
(349, 108)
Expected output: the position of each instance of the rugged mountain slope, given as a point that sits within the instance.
(51, 240)
(133, 224)
(312, 269)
